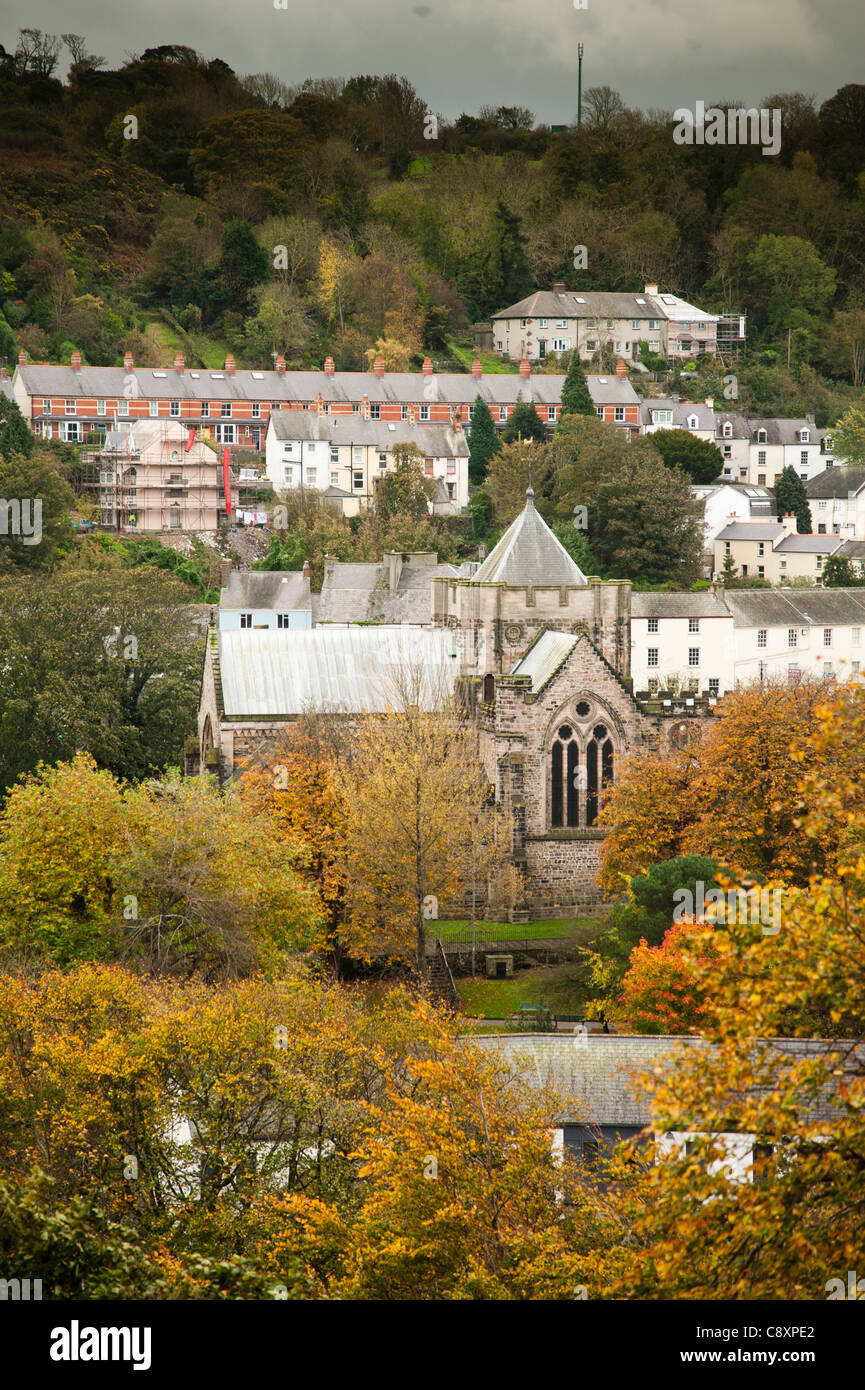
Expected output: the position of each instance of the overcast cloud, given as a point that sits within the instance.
(462, 53)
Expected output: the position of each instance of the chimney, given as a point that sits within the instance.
(364, 408)
(75, 361)
(558, 287)
(128, 361)
(224, 572)
(710, 402)
(477, 369)
(525, 369)
(3, 373)
(178, 362)
(280, 365)
(651, 289)
(427, 366)
(621, 369)
(319, 403)
(393, 561)
(412, 415)
(307, 569)
(378, 366)
(458, 425)
(22, 358)
(229, 364)
(329, 366)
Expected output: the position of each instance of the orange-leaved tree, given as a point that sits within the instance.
(664, 990)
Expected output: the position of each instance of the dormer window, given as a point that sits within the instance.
(727, 430)
(761, 436)
(804, 436)
(692, 422)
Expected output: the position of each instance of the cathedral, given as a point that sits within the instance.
(539, 654)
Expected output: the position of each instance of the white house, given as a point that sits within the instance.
(669, 413)
(837, 501)
(343, 457)
(267, 599)
(682, 642)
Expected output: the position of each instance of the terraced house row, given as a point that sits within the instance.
(234, 406)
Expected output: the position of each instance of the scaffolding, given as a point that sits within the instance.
(140, 489)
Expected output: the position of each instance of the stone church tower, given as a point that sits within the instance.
(544, 654)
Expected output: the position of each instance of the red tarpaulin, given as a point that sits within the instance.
(190, 441)
(226, 481)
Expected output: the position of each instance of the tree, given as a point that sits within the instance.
(242, 264)
(790, 496)
(791, 276)
(680, 449)
(484, 442)
(34, 510)
(511, 470)
(848, 437)
(840, 572)
(524, 422)
(644, 523)
(105, 662)
(645, 815)
(846, 343)
(416, 822)
(404, 490)
(16, 437)
(603, 108)
(663, 990)
(576, 399)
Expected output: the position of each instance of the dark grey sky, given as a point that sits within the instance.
(463, 53)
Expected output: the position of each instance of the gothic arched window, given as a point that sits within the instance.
(581, 767)
(599, 769)
(565, 779)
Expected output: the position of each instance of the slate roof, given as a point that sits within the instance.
(796, 607)
(854, 550)
(529, 555)
(583, 304)
(740, 425)
(700, 605)
(359, 593)
(280, 673)
(751, 531)
(784, 431)
(436, 441)
(808, 545)
(544, 657)
(280, 591)
(836, 482)
(681, 410)
(458, 388)
(597, 1077)
(6, 388)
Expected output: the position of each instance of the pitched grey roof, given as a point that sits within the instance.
(853, 550)
(436, 441)
(459, 388)
(277, 590)
(836, 482)
(6, 388)
(584, 304)
(796, 607)
(784, 431)
(544, 657)
(360, 593)
(528, 554)
(741, 429)
(281, 673)
(681, 411)
(597, 1076)
(808, 545)
(751, 531)
(700, 605)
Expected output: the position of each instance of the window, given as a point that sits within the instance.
(792, 637)
(154, 407)
(693, 624)
(205, 410)
(542, 323)
(693, 656)
(246, 620)
(566, 779)
(283, 620)
(357, 454)
(563, 344)
(334, 454)
(761, 479)
(653, 323)
(727, 547)
(693, 422)
(591, 344)
(551, 412)
(503, 413)
(653, 624)
(355, 408)
(761, 436)
(404, 413)
(854, 668)
(46, 406)
(652, 657)
(727, 430)
(226, 434)
(424, 412)
(225, 410)
(761, 571)
(256, 410)
(803, 458)
(635, 323)
(469, 410)
(804, 436)
(311, 476)
(599, 409)
(761, 458)
(71, 408)
(357, 481)
(653, 685)
(382, 460)
(828, 670)
(100, 408)
(523, 323)
(375, 412)
(499, 347)
(761, 548)
(762, 636)
(714, 685)
(827, 637)
(72, 434)
(326, 407)
(855, 636)
(619, 412)
(452, 467)
(288, 476)
(174, 408)
(563, 323)
(334, 480)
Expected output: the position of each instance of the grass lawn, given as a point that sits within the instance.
(580, 929)
(490, 362)
(563, 987)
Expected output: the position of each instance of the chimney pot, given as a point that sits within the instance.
(75, 361)
(280, 365)
(378, 366)
(427, 366)
(477, 369)
(329, 366)
(525, 369)
(307, 569)
(558, 287)
(229, 364)
(22, 358)
(651, 288)
(128, 361)
(178, 362)
(710, 402)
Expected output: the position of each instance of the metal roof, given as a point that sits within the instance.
(281, 673)
(544, 657)
(529, 555)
